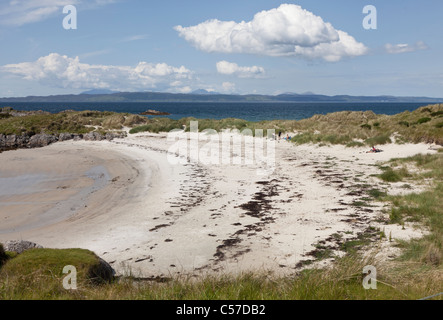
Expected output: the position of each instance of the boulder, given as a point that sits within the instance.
(93, 136)
(20, 246)
(65, 136)
(103, 272)
(114, 135)
(11, 141)
(154, 113)
(6, 109)
(41, 140)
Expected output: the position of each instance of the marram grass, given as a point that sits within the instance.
(343, 281)
(346, 127)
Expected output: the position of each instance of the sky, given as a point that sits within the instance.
(327, 47)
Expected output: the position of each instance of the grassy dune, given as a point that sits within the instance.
(67, 122)
(349, 128)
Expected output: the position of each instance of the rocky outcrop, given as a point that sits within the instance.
(96, 136)
(41, 140)
(93, 136)
(20, 246)
(10, 142)
(97, 272)
(154, 113)
(102, 272)
(24, 141)
(65, 137)
(13, 141)
(115, 135)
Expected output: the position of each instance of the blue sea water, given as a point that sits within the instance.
(216, 110)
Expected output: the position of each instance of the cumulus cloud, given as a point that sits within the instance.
(404, 47)
(21, 12)
(229, 68)
(288, 30)
(228, 87)
(62, 71)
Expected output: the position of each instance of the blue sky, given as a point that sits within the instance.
(247, 46)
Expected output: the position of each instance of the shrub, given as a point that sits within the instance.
(382, 139)
(133, 120)
(423, 120)
(3, 256)
(404, 123)
(390, 176)
(439, 125)
(353, 144)
(366, 126)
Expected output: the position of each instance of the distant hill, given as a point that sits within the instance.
(99, 91)
(205, 96)
(203, 91)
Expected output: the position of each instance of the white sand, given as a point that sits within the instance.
(153, 218)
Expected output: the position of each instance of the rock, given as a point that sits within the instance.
(6, 109)
(13, 141)
(77, 137)
(154, 113)
(65, 136)
(113, 135)
(3, 255)
(103, 272)
(67, 111)
(20, 246)
(93, 136)
(41, 140)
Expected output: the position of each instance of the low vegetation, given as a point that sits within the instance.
(38, 273)
(35, 275)
(424, 208)
(80, 122)
(348, 128)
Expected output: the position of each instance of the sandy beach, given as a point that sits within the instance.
(148, 217)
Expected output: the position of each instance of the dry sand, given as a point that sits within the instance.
(126, 202)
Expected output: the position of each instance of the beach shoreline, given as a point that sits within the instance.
(155, 219)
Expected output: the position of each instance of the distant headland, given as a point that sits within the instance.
(198, 96)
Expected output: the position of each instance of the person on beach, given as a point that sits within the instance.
(374, 150)
(279, 135)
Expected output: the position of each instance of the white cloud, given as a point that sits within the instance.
(229, 68)
(228, 87)
(404, 47)
(21, 12)
(288, 30)
(135, 38)
(61, 71)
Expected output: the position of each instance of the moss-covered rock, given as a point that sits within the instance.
(3, 256)
(49, 263)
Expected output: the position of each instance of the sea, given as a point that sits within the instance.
(252, 111)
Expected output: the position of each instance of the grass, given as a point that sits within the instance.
(38, 273)
(3, 256)
(346, 127)
(341, 282)
(67, 122)
(424, 208)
